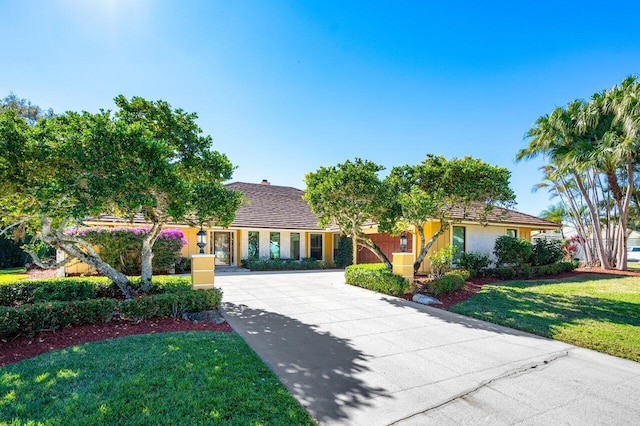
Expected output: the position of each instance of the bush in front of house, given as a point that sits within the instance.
(450, 281)
(121, 247)
(376, 277)
(28, 319)
(441, 260)
(474, 262)
(511, 251)
(344, 256)
(266, 264)
(171, 305)
(546, 252)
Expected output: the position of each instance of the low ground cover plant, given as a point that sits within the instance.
(599, 312)
(450, 281)
(168, 378)
(376, 277)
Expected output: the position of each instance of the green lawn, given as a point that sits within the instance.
(633, 266)
(600, 312)
(167, 378)
(12, 274)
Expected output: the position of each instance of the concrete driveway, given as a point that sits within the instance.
(355, 357)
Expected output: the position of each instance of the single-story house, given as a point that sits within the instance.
(275, 222)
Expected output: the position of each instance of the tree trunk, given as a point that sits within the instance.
(595, 221)
(83, 251)
(365, 241)
(426, 245)
(146, 257)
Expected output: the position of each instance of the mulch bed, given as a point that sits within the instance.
(27, 347)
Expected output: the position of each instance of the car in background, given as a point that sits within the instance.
(633, 254)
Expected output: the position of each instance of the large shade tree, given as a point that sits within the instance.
(145, 159)
(445, 191)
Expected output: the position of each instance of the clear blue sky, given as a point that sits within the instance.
(285, 87)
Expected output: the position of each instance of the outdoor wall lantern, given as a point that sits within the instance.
(202, 239)
(403, 242)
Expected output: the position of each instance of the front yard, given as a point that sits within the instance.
(600, 312)
(168, 378)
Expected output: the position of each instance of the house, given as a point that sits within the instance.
(466, 232)
(276, 222)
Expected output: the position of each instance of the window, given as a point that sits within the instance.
(336, 246)
(316, 246)
(254, 245)
(458, 239)
(294, 246)
(274, 245)
(512, 233)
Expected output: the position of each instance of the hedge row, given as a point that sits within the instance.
(527, 271)
(283, 264)
(28, 319)
(80, 288)
(376, 277)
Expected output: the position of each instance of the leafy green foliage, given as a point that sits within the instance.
(376, 277)
(473, 261)
(344, 256)
(193, 378)
(171, 305)
(267, 264)
(349, 195)
(512, 251)
(441, 260)
(545, 252)
(446, 283)
(31, 318)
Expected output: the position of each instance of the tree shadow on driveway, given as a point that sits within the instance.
(319, 369)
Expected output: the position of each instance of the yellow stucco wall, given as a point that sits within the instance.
(443, 240)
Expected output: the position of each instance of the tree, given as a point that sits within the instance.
(594, 146)
(555, 213)
(349, 195)
(145, 159)
(446, 191)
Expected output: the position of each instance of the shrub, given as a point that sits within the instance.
(474, 261)
(30, 318)
(450, 281)
(555, 268)
(170, 304)
(504, 273)
(441, 260)
(511, 251)
(376, 277)
(266, 264)
(121, 247)
(344, 256)
(63, 291)
(545, 252)
(183, 265)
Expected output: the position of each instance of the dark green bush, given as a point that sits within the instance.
(30, 318)
(474, 261)
(511, 251)
(555, 268)
(344, 256)
(376, 277)
(504, 273)
(545, 252)
(266, 264)
(450, 281)
(171, 305)
(63, 291)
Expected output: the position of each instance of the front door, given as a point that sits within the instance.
(223, 247)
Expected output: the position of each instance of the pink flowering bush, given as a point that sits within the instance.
(121, 247)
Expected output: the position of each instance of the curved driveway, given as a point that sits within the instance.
(355, 357)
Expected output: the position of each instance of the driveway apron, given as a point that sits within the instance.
(356, 357)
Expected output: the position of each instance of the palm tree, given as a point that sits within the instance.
(555, 213)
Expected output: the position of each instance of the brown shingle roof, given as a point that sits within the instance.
(507, 216)
(272, 206)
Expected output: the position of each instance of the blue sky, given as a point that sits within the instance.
(285, 87)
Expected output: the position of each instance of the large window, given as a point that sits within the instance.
(254, 245)
(316, 246)
(458, 239)
(274, 245)
(294, 246)
(512, 233)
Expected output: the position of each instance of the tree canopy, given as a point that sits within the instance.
(145, 158)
